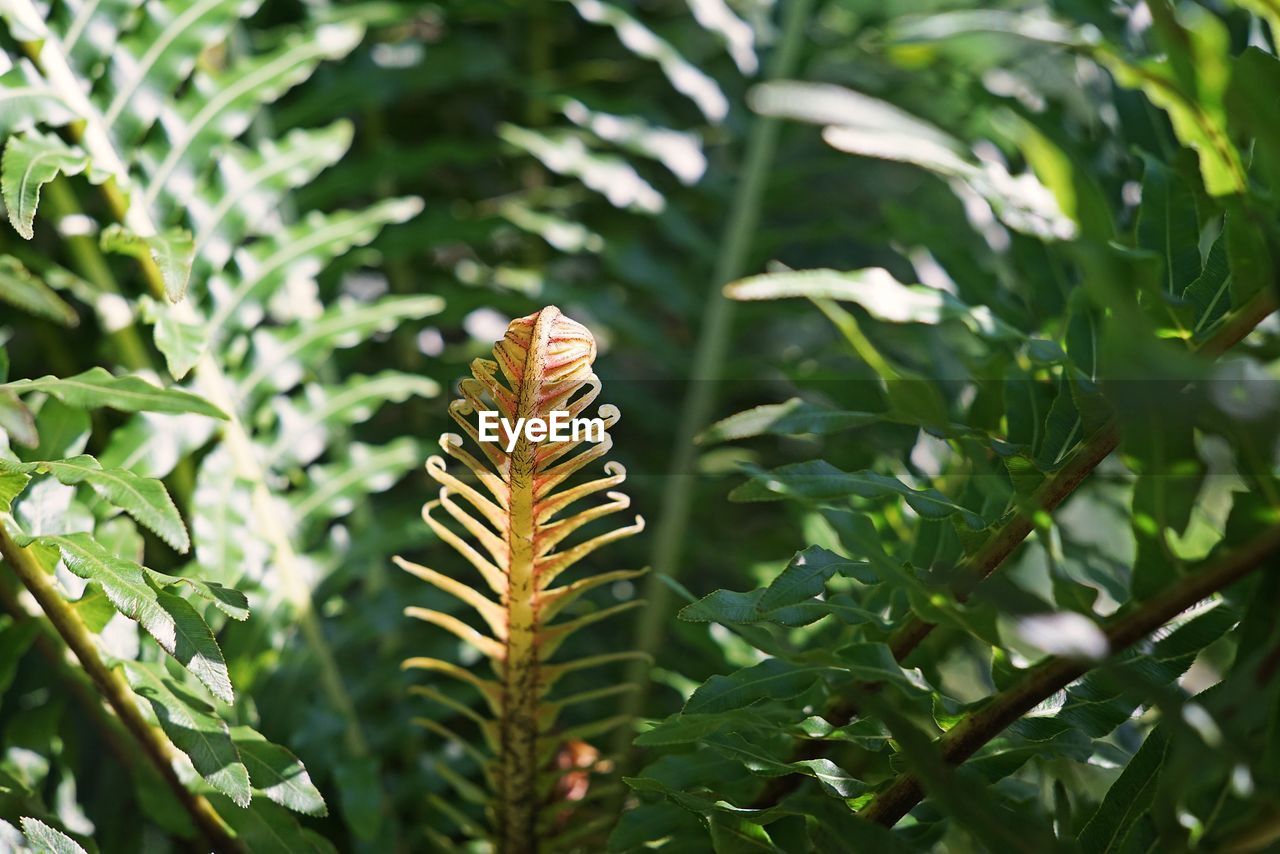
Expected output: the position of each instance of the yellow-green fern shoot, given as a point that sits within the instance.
(515, 516)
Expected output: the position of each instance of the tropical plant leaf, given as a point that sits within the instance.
(772, 679)
(122, 580)
(862, 125)
(194, 728)
(150, 63)
(249, 182)
(792, 418)
(821, 481)
(279, 354)
(833, 779)
(277, 773)
(876, 291)
(145, 499)
(173, 253)
(43, 839)
(20, 287)
(636, 37)
(96, 388)
(1128, 799)
(12, 483)
(16, 420)
(231, 602)
(211, 114)
(1168, 225)
(338, 488)
(794, 598)
(307, 423)
(316, 240)
(1194, 100)
(31, 161)
(171, 620)
(195, 648)
(228, 548)
(26, 100)
(181, 341)
(268, 828)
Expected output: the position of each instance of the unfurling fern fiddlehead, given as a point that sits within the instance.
(545, 360)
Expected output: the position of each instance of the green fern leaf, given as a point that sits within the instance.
(97, 388)
(27, 99)
(145, 499)
(31, 161)
(211, 114)
(45, 840)
(277, 773)
(243, 193)
(194, 728)
(169, 619)
(20, 287)
(173, 252)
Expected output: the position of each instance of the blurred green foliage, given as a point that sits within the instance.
(956, 488)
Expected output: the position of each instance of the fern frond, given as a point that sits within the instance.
(541, 366)
(152, 103)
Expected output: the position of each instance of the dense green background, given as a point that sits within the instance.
(1092, 185)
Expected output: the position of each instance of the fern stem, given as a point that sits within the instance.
(538, 113)
(522, 687)
(54, 651)
(1005, 708)
(208, 373)
(214, 383)
(708, 361)
(133, 351)
(155, 746)
(1002, 543)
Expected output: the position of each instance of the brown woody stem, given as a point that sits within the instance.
(1010, 535)
(1054, 674)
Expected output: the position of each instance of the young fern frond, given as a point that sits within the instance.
(541, 366)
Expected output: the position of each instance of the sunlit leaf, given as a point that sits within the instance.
(96, 387)
(277, 773)
(175, 625)
(31, 161)
(194, 728)
(876, 291)
(792, 418)
(145, 499)
(43, 839)
(639, 39)
(173, 252)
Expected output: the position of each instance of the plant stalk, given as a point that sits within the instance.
(708, 362)
(992, 554)
(208, 373)
(134, 353)
(522, 688)
(1005, 708)
(54, 651)
(1064, 482)
(155, 745)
